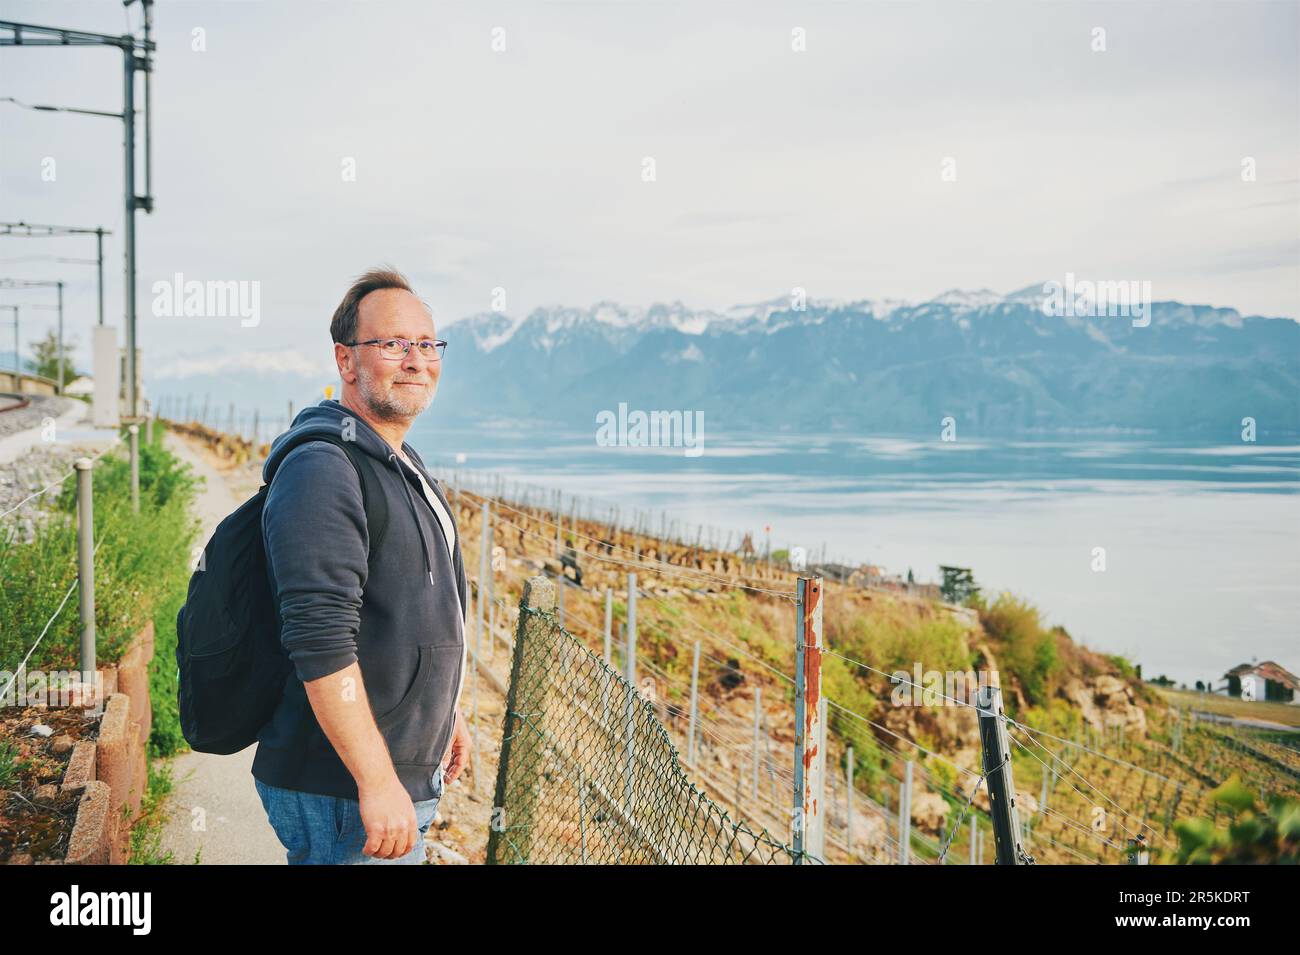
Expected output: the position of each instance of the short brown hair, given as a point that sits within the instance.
(343, 326)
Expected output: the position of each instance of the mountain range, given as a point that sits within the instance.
(995, 364)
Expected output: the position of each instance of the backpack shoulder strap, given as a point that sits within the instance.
(372, 492)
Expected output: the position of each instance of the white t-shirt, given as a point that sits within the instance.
(448, 532)
(448, 529)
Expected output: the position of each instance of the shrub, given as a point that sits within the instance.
(1258, 834)
(138, 558)
(1028, 650)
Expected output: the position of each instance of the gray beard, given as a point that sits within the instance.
(387, 407)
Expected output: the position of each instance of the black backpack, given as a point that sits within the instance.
(231, 665)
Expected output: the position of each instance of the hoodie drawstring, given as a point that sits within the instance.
(410, 502)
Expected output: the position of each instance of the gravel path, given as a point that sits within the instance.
(215, 812)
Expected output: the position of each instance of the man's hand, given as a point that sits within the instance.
(388, 816)
(457, 756)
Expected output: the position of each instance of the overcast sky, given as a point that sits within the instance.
(523, 169)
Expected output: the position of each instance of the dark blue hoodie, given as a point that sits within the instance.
(401, 614)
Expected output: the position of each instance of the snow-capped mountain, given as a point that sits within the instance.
(994, 363)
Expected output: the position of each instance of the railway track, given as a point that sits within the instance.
(12, 402)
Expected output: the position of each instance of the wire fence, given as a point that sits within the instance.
(589, 775)
(891, 791)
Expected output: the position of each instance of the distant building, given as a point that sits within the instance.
(80, 386)
(1267, 681)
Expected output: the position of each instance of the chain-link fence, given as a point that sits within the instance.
(589, 775)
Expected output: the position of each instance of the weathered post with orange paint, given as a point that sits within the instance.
(809, 815)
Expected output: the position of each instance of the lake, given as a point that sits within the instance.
(1201, 543)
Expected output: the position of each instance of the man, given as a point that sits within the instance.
(368, 733)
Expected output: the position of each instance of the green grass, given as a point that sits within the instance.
(1286, 713)
(140, 559)
(146, 835)
(142, 569)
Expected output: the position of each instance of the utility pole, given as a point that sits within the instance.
(22, 284)
(136, 56)
(54, 231)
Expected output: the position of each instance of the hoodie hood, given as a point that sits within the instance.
(328, 419)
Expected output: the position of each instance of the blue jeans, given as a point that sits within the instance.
(327, 830)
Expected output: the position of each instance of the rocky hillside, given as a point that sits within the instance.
(1105, 759)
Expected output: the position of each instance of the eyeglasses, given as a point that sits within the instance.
(395, 349)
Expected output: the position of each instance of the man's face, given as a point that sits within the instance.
(392, 390)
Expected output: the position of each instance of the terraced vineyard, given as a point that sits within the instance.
(1122, 789)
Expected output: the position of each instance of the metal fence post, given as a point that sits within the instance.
(1007, 839)
(808, 815)
(758, 724)
(539, 594)
(823, 724)
(561, 585)
(86, 563)
(609, 637)
(134, 432)
(905, 816)
(695, 702)
(1138, 854)
(492, 614)
(629, 664)
(848, 801)
(609, 621)
(974, 827)
(629, 730)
